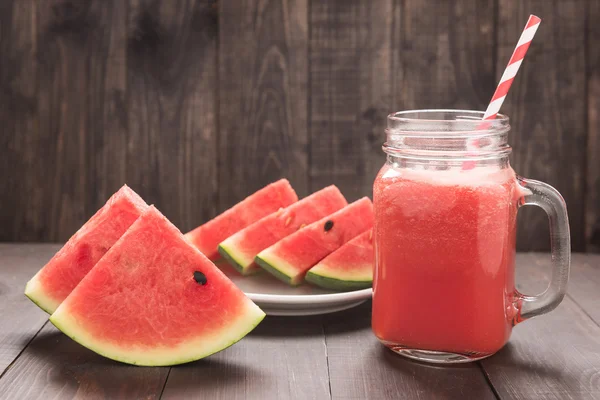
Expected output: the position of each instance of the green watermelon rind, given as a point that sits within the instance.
(34, 293)
(270, 265)
(254, 315)
(339, 284)
(229, 255)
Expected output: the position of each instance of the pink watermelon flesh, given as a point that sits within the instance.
(292, 256)
(348, 268)
(260, 204)
(241, 248)
(154, 299)
(55, 281)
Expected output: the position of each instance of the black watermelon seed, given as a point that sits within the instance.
(328, 225)
(200, 278)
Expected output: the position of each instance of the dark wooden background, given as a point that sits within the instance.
(196, 104)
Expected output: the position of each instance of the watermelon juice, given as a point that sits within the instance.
(445, 206)
(445, 243)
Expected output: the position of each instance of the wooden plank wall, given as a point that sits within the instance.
(197, 103)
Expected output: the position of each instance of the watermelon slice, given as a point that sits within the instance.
(154, 299)
(348, 268)
(53, 283)
(260, 204)
(292, 256)
(241, 248)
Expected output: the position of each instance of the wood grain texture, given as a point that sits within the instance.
(283, 358)
(350, 92)
(18, 127)
(74, 50)
(547, 110)
(443, 54)
(555, 356)
(592, 199)
(100, 93)
(362, 368)
(263, 75)
(20, 319)
(584, 284)
(106, 147)
(171, 107)
(55, 367)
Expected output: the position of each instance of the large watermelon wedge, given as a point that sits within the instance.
(292, 256)
(348, 268)
(154, 299)
(267, 200)
(241, 248)
(53, 283)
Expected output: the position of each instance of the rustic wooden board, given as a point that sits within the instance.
(18, 130)
(54, 366)
(263, 76)
(172, 92)
(74, 47)
(106, 145)
(350, 92)
(443, 54)
(283, 358)
(101, 93)
(592, 199)
(50, 116)
(362, 368)
(20, 319)
(554, 356)
(547, 110)
(584, 285)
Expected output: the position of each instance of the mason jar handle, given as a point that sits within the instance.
(549, 199)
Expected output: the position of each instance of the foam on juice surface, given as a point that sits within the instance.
(415, 191)
(480, 176)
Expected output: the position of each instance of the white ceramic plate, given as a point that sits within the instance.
(277, 298)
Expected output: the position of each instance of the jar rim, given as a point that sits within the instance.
(446, 121)
(442, 134)
(477, 115)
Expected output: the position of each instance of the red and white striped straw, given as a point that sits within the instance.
(512, 68)
(507, 79)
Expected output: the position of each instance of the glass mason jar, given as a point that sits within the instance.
(445, 204)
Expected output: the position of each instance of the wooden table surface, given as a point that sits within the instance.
(556, 356)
